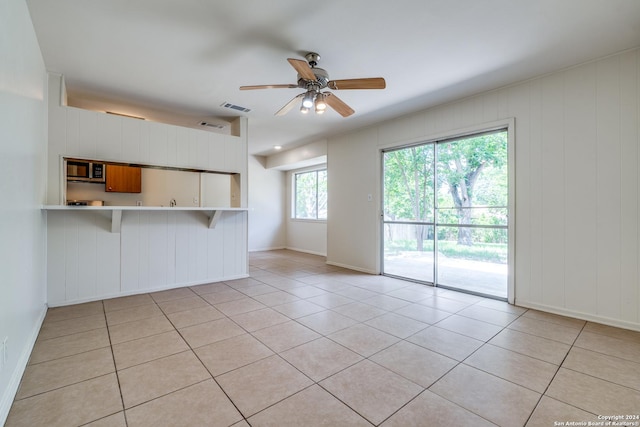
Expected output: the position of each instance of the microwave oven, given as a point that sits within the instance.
(84, 171)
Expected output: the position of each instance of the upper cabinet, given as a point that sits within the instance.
(123, 179)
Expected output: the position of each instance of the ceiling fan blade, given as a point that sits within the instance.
(366, 83)
(289, 86)
(337, 104)
(302, 68)
(284, 110)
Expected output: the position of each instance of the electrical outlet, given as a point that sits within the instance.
(138, 202)
(195, 201)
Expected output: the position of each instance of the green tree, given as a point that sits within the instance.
(460, 164)
(408, 181)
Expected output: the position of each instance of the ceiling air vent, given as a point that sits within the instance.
(212, 125)
(235, 107)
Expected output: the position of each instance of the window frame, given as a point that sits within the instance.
(294, 192)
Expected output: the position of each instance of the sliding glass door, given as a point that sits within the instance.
(446, 213)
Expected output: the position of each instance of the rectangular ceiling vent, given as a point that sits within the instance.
(212, 125)
(235, 107)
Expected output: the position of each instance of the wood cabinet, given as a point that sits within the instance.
(123, 179)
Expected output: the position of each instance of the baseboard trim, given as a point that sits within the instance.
(146, 291)
(14, 382)
(351, 267)
(579, 315)
(275, 248)
(306, 251)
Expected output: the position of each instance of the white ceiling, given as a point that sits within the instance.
(187, 57)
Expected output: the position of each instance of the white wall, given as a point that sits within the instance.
(23, 149)
(577, 191)
(266, 206)
(154, 250)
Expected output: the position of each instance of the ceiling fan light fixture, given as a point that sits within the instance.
(303, 109)
(320, 104)
(307, 101)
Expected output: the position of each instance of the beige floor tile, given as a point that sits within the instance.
(227, 355)
(477, 329)
(353, 292)
(445, 304)
(415, 363)
(326, 322)
(172, 294)
(494, 399)
(460, 296)
(544, 329)
(242, 423)
(255, 290)
(624, 349)
(411, 294)
(239, 306)
(286, 335)
(306, 291)
(363, 339)
(223, 296)
(127, 302)
(243, 283)
(592, 394)
(56, 314)
(555, 318)
(76, 404)
(115, 420)
(502, 306)
(142, 350)
(71, 326)
(261, 384)
(182, 304)
(296, 309)
(551, 412)
(429, 409)
(445, 342)
(610, 331)
(489, 315)
(423, 313)
(359, 311)
(275, 298)
(533, 346)
(182, 319)
(150, 380)
(397, 325)
(139, 329)
(68, 345)
(609, 368)
(321, 358)
(57, 373)
(312, 406)
(523, 370)
(386, 302)
(259, 319)
(371, 390)
(210, 332)
(330, 300)
(132, 314)
(210, 288)
(202, 404)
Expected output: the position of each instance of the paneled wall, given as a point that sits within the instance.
(577, 188)
(154, 250)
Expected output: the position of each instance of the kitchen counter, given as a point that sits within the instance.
(213, 213)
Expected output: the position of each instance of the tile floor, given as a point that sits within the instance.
(301, 343)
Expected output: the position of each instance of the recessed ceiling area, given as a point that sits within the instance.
(185, 59)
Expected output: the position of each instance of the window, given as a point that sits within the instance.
(310, 195)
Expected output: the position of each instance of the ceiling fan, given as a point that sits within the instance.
(314, 79)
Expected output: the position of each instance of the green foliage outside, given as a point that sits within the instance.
(468, 183)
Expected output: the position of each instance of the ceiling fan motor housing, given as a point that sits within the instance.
(322, 79)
